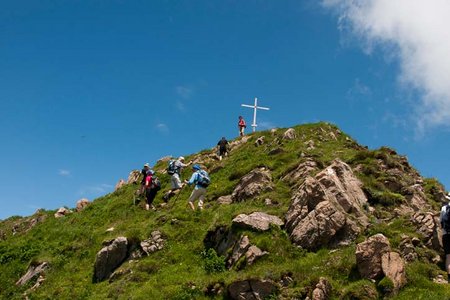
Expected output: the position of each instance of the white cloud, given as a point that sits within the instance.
(416, 32)
(184, 92)
(62, 172)
(180, 106)
(162, 127)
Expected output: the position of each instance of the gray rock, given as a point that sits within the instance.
(253, 253)
(289, 134)
(258, 221)
(225, 199)
(393, 267)
(61, 212)
(253, 184)
(109, 258)
(133, 177)
(33, 272)
(257, 289)
(322, 290)
(239, 249)
(82, 204)
(369, 256)
(119, 184)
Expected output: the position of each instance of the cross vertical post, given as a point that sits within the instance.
(255, 108)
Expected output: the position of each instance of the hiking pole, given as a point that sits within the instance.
(178, 195)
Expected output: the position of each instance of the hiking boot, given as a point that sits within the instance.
(147, 207)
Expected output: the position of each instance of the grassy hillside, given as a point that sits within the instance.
(184, 269)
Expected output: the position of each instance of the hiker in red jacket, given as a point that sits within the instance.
(241, 125)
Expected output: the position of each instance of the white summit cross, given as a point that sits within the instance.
(255, 107)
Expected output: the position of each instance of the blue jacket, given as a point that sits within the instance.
(194, 179)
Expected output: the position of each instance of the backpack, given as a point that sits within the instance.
(445, 221)
(203, 179)
(171, 168)
(156, 184)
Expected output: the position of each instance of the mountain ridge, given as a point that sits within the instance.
(200, 255)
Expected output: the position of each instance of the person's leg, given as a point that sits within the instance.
(148, 198)
(193, 197)
(152, 197)
(446, 246)
(201, 197)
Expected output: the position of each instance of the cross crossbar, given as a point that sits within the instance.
(255, 108)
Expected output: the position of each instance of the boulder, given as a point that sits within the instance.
(33, 272)
(239, 249)
(257, 289)
(61, 212)
(253, 184)
(119, 184)
(257, 221)
(322, 290)
(133, 177)
(109, 258)
(393, 267)
(225, 199)
(327, 209)
(259, 141)
(238, 142)
(369, 256)
(290, 134)
(318, 227)
(303, 170)
(164, 159)
(81, 204)
(253, 253)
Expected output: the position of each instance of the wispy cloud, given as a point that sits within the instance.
(359, 89)
(180, 106)
(163, 128)
(184, 92)
(415, 33)
(264, 125)
(63, 172)
(96, 190)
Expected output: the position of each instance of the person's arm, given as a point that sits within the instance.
(442, 215)
(193, 179)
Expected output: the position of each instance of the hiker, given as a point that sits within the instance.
(445, 224)
(144, 175)
(174, 169)
(152, 186)
(201, 180)
(241, 125)
(222, 144)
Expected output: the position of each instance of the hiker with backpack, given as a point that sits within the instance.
(223, 147)
(144, 171)
(445, 224)
(174, 169)
(242, 125)
(201, 180)
(152, 186)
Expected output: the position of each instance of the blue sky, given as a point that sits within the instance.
(90, 90)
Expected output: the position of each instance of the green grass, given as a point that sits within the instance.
(184, 268)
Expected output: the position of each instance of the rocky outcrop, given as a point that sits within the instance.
(428, 225)
(111, 256)
(133, 177)
(239, 249)
(327, 209)
(253, 184)
(303, 170)
(290, 134)
(81, 204)
(238, 142)
(225, 200)
(233, 246)
(322, 290)
(393, 267)
(119, 184)
(33, 272)
(259, 141)
(257, 221)
(375, 259)
(257, 289)
(61, 212)
(369, 254)
(153, 244)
